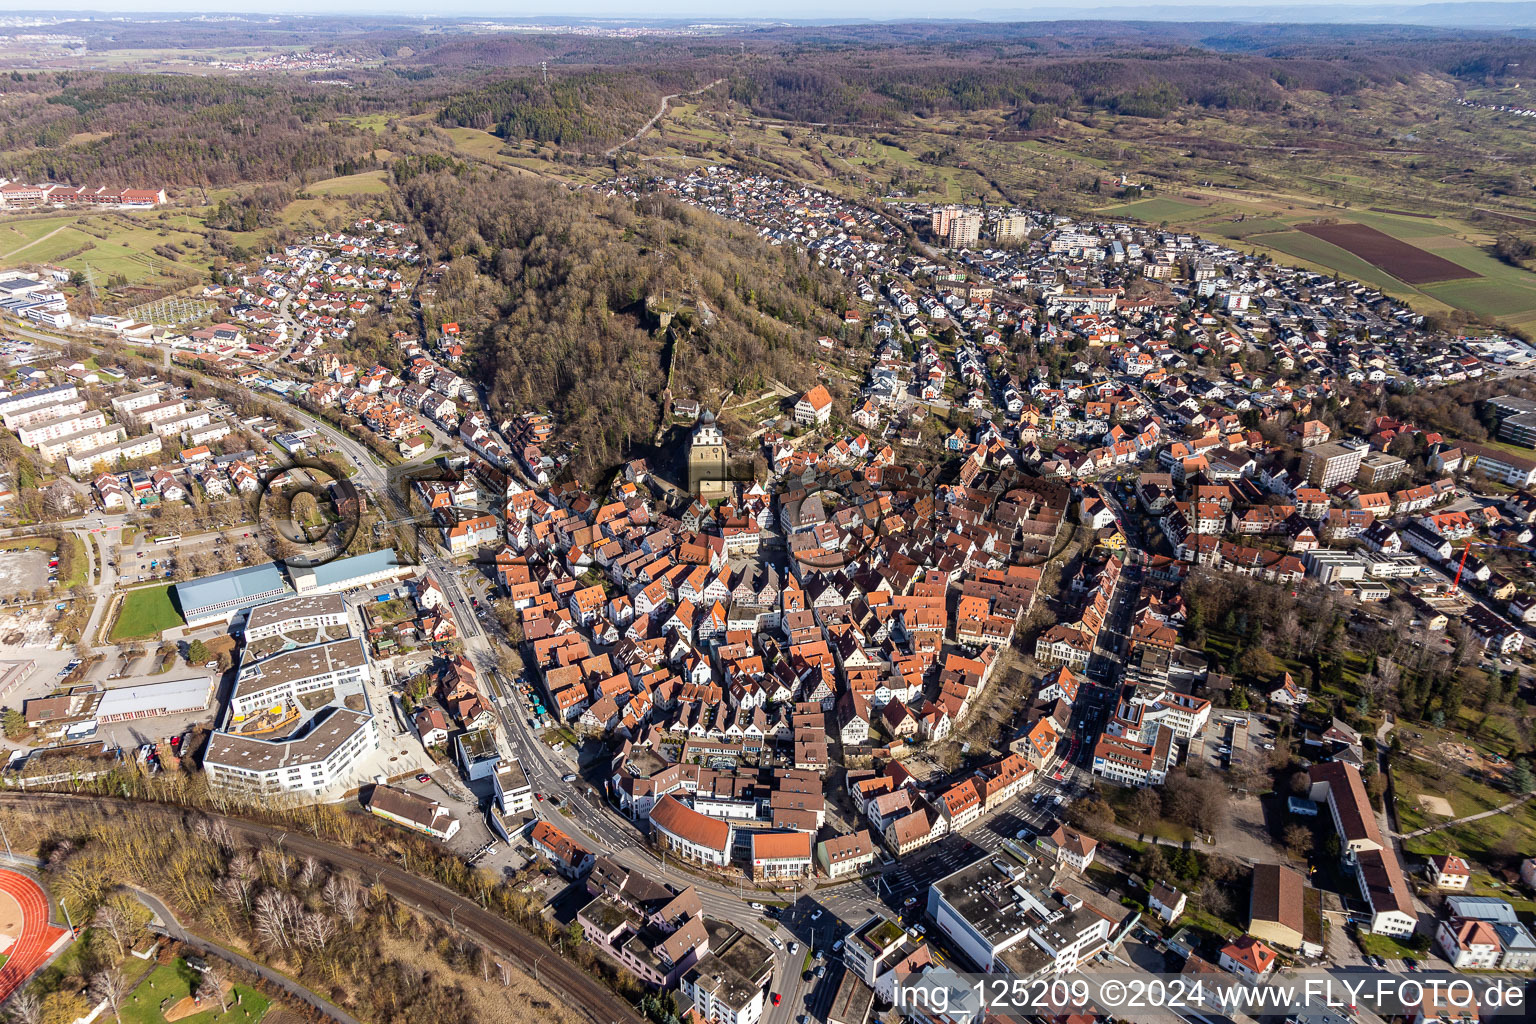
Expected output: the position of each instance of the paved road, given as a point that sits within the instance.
(174, 929)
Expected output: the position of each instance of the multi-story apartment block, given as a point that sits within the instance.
(324, 611)
(1327, 465)
(287, 677)
(324, 756)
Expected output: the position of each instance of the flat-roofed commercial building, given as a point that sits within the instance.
(218, 597)
(1015, 916)
(343, 574)
(150, 700)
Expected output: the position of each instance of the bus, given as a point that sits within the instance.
(170, 538)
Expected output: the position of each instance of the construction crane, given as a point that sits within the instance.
(1462, 563)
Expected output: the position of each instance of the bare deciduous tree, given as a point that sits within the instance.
(24, 1008)
(213, 981)
(316, 930)
(344, 897)
(241, 875)
(277, 914)
(111, 986)
(113, 917)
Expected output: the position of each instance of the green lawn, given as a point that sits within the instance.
(1406, 228)
(1155, 211)
(1486, 295)
(366, 183)
(1251, 226)
(166, 985)
(1389, 948)
(80, 563)
(145, 613)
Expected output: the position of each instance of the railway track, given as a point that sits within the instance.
(500, 936)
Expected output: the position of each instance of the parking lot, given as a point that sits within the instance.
(23, 569)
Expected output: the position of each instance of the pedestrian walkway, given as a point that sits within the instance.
(1501, 809)
(174, 929)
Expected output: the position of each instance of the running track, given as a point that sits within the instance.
(33, 947)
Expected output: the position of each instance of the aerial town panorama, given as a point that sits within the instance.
(732, 520)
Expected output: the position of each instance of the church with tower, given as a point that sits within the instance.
(708, 464)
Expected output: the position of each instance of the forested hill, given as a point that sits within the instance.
(585, 110)
(552, 283)
(179, 130)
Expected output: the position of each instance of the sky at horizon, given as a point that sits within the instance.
(863, 10)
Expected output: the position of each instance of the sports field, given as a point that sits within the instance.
(145, 612)
(24, 927)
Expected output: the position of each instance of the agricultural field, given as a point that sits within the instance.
(1157, 211)
(1320, 254)
(1403, 261)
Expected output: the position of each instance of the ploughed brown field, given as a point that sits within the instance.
(1405, 262)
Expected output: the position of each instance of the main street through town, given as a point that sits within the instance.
(812, 921)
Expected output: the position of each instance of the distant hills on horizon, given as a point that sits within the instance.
(1473, 14)
(1518, 16)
